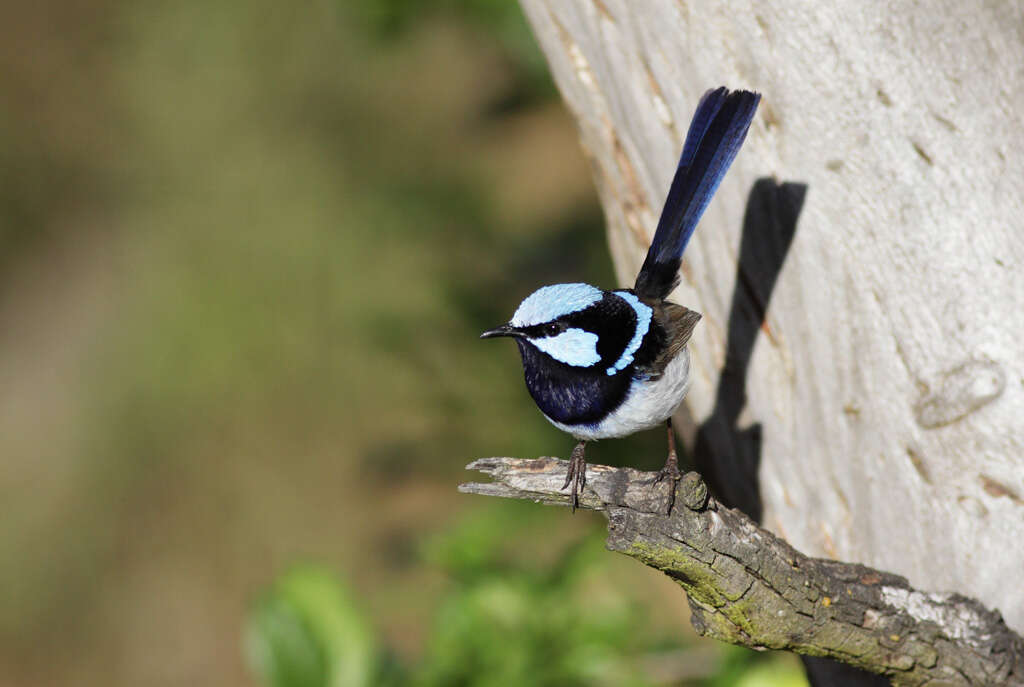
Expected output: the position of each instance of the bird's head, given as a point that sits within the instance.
(578, 325)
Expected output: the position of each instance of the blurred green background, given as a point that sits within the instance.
(245, 253)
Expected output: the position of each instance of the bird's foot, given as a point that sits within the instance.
(670, 471)
(576, 475)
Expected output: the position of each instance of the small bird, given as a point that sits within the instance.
(602, 364)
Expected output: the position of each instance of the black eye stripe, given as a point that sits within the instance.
(539, 331)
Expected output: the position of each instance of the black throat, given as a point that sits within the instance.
(572, 395)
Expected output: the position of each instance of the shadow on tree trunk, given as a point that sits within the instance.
(727, 456)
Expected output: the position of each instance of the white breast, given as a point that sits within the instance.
(647, 404)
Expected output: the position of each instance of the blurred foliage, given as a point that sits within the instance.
(306, 632)
(245, 253)
(500, 624)
(507, 624)
(499, 20)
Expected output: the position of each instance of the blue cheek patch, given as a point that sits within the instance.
(644, 313)
(574, 347)
(551, 302)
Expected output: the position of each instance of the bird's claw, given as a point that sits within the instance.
(670, 471)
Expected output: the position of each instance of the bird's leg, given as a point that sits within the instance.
(577, 474)
(671, 468)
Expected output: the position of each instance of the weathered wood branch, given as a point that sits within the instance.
(749, 587)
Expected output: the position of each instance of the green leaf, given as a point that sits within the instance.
(281, 648)
(307, 632)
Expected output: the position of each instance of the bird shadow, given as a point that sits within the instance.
(727, 455)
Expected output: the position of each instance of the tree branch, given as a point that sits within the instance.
(748, 587)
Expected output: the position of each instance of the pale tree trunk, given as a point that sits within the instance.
(888, 375)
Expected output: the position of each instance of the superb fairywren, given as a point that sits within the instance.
(603, 364)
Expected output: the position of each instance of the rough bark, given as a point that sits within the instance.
(886, 373)
(748, 587)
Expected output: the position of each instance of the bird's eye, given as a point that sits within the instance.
(552, 329)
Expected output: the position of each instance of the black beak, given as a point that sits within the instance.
(503, 330)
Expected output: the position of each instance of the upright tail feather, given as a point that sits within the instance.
(716, 133)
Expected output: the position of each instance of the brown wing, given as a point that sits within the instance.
(677, 322)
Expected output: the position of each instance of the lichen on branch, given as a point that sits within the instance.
(748, 587)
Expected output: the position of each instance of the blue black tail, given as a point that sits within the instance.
(716, 133)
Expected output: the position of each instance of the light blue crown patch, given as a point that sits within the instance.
(551, 302)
